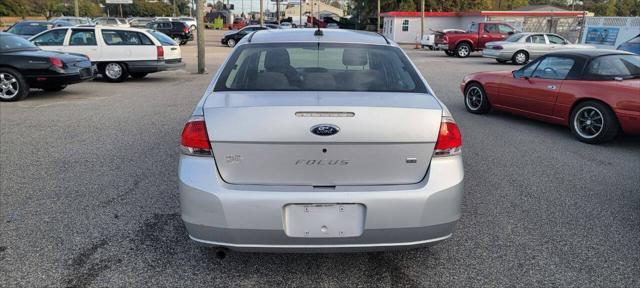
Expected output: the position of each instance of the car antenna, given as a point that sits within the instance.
(318, 32)
(251, 36)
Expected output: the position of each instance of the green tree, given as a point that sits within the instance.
(13, 8)
(407, 5)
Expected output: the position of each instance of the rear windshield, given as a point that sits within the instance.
(319, 67)
(32, 28)
(15, 43)
(514, 38)
(611, 66)
(163, 38)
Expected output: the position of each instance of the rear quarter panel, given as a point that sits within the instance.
(622, 96)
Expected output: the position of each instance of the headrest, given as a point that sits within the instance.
(276, 57)
(354, 57)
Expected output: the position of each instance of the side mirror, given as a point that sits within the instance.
(517, 75)
(511, 33)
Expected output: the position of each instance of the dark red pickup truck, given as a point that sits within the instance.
(462, 44)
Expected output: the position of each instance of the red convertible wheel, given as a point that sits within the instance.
(475, 99)
(593, 122)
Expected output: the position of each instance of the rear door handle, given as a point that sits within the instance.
(551, 87)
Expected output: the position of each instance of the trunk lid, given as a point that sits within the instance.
(171, 52)
(265, 137)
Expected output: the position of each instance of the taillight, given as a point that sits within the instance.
(160, 52)
(185, 29)
(449, 138)
(56, 62)
(195, 140)
(445, 39)
(497, 47)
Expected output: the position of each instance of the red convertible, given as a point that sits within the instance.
(595, 92)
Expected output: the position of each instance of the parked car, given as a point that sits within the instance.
(111, 21)
(286, 25)
(117, 52)
(163, 19)
(232, 38)
(238, 23)
(462, 44)
(633, 45)
(178, 31)
(191, 22)
(521, 47)
(26, 29)
(140, 22)
(332, 26)
(428, 40)
(73, 20)
(594, 92)
(352, 152)
(24, 65)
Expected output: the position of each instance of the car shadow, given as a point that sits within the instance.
(622, 141)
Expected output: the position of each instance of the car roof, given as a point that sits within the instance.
(587, 53)
(32, 21)
(102, 27)
(308, 35)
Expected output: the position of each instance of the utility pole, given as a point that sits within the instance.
(301, 14)
(200, 34)
(379, 24)
(174, 8)
(278, 12)
(421, 20)
(261, 13)
(76, 9)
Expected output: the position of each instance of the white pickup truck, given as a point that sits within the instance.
(117, 52)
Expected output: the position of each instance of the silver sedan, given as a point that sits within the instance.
(522, 47)
(320, 141)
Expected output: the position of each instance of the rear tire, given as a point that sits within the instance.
(138, 75)
(475, 99)
(593, 122)
(184, 42)
(520, 58)
(13, 87)
(114, 72)
(54, 88)
(463, 50)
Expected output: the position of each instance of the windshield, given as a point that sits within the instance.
(611, 66)
(31, 28)
(12, 42)
(164, 39)
(319, 67)
(514, 38)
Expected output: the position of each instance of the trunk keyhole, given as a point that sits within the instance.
(324, 150)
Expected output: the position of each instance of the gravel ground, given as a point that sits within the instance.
(88, 197)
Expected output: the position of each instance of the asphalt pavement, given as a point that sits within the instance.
(88, 197)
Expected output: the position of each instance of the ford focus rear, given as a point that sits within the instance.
(312, 143)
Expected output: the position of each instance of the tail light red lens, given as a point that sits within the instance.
(445, 39)
(56, 62)
(195, 140)
(449, 138)
(160, 52)
(185, 30)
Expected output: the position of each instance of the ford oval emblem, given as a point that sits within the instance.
(325, 129)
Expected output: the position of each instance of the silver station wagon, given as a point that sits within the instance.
(319, 141)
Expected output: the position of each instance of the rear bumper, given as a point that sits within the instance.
(41, 81)
(251, 217)
(442, 46)
(154, 66)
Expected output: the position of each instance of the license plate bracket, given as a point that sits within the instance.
(324, 220)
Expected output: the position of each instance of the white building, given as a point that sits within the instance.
(404, 27)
